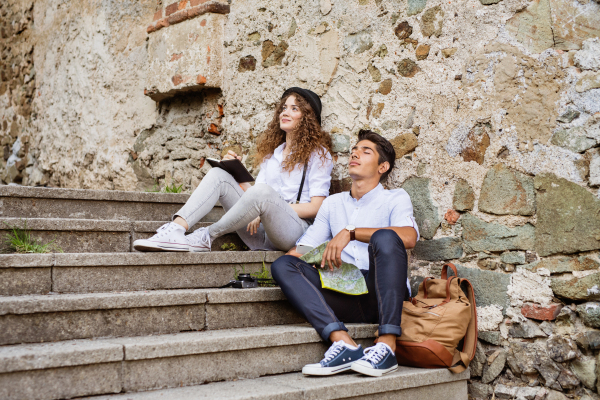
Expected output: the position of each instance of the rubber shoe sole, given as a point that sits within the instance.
(198, 249)
(147, 245)
(324, 371)
(368, 370)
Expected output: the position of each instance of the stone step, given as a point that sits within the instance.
(22, 274)
(29, 202)
(98, 236)
(404, 384)
(50, 318)
(103, 366)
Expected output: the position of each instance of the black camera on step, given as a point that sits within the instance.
(244, 281)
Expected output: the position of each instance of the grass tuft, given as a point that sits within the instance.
(173, 188)
(20, 240)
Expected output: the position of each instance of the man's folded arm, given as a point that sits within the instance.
(408, 234)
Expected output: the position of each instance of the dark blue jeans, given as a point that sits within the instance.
(325, 309)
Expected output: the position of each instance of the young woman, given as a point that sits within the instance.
(265, 215)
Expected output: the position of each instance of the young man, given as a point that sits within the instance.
(371, 228)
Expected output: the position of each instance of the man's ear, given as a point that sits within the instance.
(383, 167)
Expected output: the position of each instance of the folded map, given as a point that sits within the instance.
(347, 279)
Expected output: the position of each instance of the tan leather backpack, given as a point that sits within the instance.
(435, 321)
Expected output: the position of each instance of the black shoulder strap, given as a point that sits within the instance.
(302, 182)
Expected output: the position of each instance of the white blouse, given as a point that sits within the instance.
(287, 183)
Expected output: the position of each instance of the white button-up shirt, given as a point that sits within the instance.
(379, 208)
(287, 183)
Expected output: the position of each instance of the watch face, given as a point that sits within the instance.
(350, 227)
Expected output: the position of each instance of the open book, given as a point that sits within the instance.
(234, 167)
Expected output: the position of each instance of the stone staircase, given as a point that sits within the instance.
(105, 321)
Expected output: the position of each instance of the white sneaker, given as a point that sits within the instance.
(199, 240)
(169, 237)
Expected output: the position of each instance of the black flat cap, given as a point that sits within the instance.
(310, 96)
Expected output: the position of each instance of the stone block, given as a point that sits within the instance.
(585, 370)
(588, 58)
(451, 216)
(513, 257)
(568, 216)
(438, 249)
(491, 371)
(415, 6)
(573, 139)
(19, 281)
(561, 349)
(491, 288)
(507, 191)
(571, 27)
(526, 329)
(340, 143)
(541, 313)
(61, 383)
(577, 289)
(493, 337)
(590, 313)
(568, 116)
(425, 211)
(479, 235)
(480, 391)
(562, 265)
(404, 144)
(203, 56)
(464, 197)
(432, 22)
(594, 156)
(422, 51)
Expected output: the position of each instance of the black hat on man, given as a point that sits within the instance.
(310, 96)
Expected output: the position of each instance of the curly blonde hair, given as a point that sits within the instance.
(308, 134)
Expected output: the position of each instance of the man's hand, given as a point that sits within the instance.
(253, 226)
(333, 252)
(293, 252)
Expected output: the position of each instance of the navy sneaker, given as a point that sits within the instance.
(378, 360)
(338, 358)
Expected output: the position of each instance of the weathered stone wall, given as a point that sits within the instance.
(493, 107)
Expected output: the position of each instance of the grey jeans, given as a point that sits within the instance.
(280, 226)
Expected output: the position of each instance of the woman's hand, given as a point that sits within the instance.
(231, 156)
(253, 226)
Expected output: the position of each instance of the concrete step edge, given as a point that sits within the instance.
(86, 225)
(15, 358)
(30, 304)
(89, 194)
(137, 259)
(295, 386)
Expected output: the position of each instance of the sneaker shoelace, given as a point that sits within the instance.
(199, 237)
(333, 351)
(165, 229)
(375, 353)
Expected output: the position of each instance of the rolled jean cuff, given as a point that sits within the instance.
(390, 330)
(332, 327)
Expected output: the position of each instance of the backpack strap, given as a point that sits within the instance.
(445, 270)
(463, 358)
(302, 182)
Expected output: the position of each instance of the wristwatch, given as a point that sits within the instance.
(352, 230)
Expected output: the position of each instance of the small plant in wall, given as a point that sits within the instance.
(20, 240)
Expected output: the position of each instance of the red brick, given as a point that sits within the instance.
(176, 56)
(177, 80)
(182, 5)
(195, 3)
(171, 8)
(178, 17)
(151, 28)
(213, 129)
(220, 107)
(203, 22)
(215, 8)
(158, 15)
(202, 162)
(451, 216)
(200, 80)
(542, 313)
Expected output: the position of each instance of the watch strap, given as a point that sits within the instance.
(352, 235)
